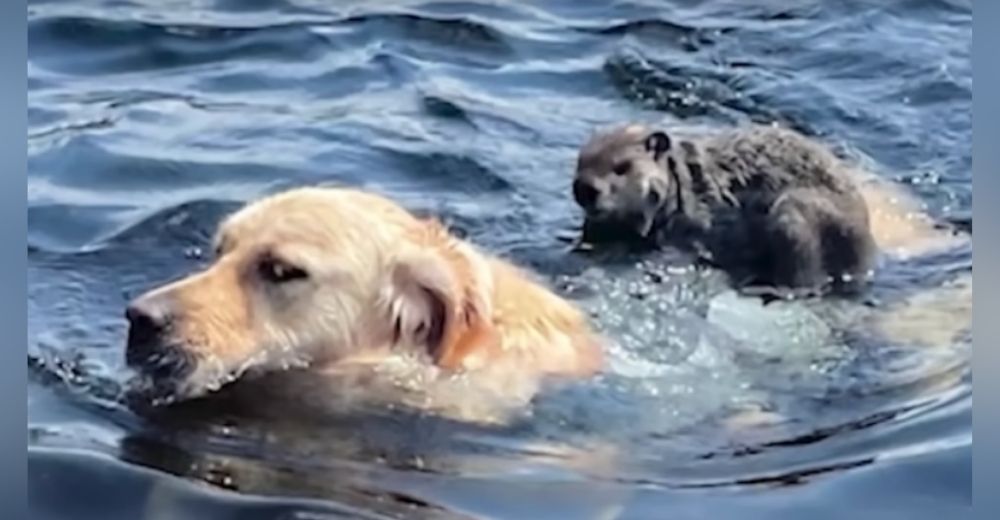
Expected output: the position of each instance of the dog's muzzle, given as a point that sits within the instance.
(151, 351)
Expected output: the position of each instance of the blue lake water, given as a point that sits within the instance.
(151, 119)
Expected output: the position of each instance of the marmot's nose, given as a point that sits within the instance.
(585, 194)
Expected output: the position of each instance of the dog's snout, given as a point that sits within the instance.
(148, 316)
(150, 348)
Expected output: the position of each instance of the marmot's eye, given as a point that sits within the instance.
(276, 271)
(622, 168)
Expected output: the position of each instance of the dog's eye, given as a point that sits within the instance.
(276, 271)
(622, 168)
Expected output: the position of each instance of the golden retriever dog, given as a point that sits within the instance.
(328, 278)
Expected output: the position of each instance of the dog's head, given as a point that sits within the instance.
(620, 178)
(306, 276)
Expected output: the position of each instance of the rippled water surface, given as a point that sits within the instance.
(149, 120)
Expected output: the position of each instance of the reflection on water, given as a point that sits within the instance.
(151, 120)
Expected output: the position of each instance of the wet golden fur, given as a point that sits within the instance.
(378, 283)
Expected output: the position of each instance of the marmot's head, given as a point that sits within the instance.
(620, 179)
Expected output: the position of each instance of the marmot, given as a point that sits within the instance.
(772, 208)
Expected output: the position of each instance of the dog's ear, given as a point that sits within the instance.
(422, 300)
(657, 143)
(436, 303)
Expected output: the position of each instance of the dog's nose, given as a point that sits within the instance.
(149, 348)
(148, 316)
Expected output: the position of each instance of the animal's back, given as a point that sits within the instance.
(768, 158)
(790, 213)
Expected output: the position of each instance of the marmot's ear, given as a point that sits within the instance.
(657, 143)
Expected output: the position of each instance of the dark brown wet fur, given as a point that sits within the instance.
(774, 209)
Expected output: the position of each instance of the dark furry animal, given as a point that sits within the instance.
(774, 209)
